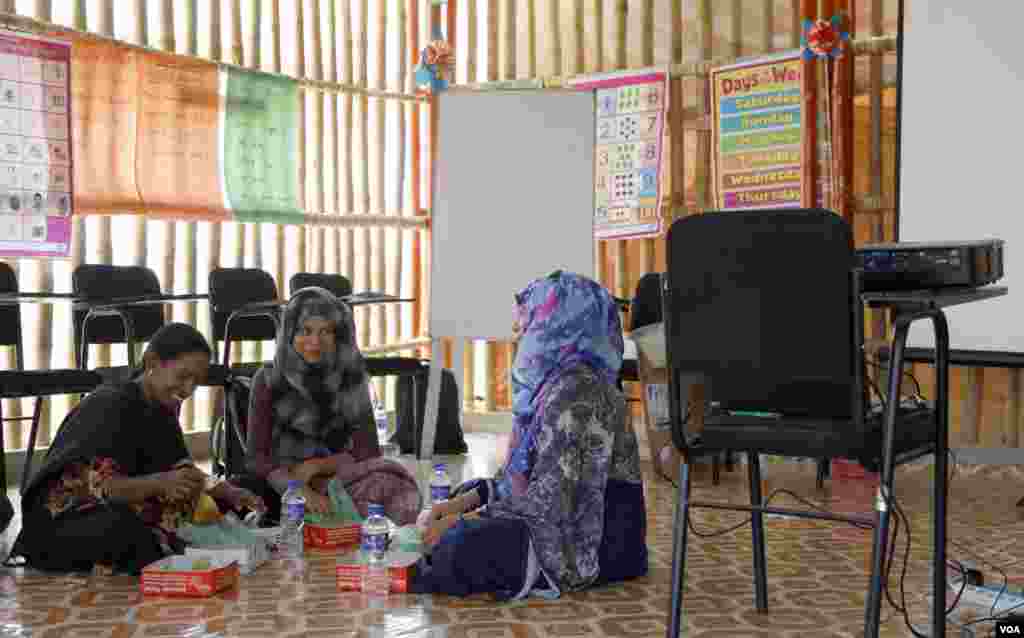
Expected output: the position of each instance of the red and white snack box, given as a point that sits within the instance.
(248, 557)
(175, 576)
(401, 568)
(328, 535)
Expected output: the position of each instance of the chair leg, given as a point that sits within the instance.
(681, 528)
(416, 422)
(3, 450)
(716, 470)
(873, 607)
(26, 470)
(824, 471)
(757, 531)
(940, 482)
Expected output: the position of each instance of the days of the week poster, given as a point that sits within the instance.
(758, 111)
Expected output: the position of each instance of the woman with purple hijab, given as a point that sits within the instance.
(567, 507)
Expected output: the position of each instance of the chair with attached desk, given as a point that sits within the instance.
(20, 383)
(97, 320)
(338, 285)
(244, 306)
(765, 308)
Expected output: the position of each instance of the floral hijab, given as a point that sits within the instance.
(565, 320)
(318, 407)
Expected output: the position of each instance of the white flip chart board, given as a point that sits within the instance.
(513, 200)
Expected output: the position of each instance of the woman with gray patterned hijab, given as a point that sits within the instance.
(310, 416)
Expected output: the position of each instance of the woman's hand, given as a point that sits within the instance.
(454, 506)
(437, 529)
(307, 471)
(243, 499)
(183, 483)
(316, 502)
(437, 512)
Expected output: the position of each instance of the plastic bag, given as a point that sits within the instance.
(227, 531)
(343, 508)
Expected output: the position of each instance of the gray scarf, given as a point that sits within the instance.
(317, 408)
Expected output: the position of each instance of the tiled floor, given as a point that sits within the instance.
(817, 577)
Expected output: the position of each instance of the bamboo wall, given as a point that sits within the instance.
(360, 172)
(367, 141)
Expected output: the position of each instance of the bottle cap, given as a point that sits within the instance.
(294, 484)
(374, 508)
(440, 467)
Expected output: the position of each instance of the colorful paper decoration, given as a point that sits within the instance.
(824, 39)
(437, 65)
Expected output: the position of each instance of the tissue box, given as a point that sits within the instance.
(175, 576)
(248, 557)
(401, 568)
(331, 535)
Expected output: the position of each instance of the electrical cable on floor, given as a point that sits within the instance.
(1002, 572)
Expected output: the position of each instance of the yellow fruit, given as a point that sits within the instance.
(206, 510)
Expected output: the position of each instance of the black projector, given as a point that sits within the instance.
(925, 265)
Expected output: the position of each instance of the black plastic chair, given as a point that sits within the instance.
(228, 437)
(20, 383)
(645, 309)
(100, 322)
(765, 306)
(338, 285)
(244, 306)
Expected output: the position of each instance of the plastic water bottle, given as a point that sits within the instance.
(440, 484)
(380, 417)
(293, 504)
(376, 530)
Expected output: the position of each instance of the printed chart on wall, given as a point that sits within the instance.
(179, 107)
(757, 133)
(35, 150)
(259, 152)
(631, 108)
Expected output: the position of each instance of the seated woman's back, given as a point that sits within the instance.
(571, 485)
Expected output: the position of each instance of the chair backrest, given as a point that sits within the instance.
(646, 307)
(232, 288)
(338, 285)
(10, 315)
(761, 304)
(102, 282)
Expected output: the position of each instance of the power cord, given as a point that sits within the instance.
(993, 618)
(1002, 572)
(918, 395)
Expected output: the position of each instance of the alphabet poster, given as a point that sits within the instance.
(758, 110)
(631, 108)
(36, 200)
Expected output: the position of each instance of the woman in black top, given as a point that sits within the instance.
(118, 478)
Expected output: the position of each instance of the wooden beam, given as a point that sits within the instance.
(809, 192)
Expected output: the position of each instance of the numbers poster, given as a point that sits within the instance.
(758, 110)
(631, 110)
(35, 149)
